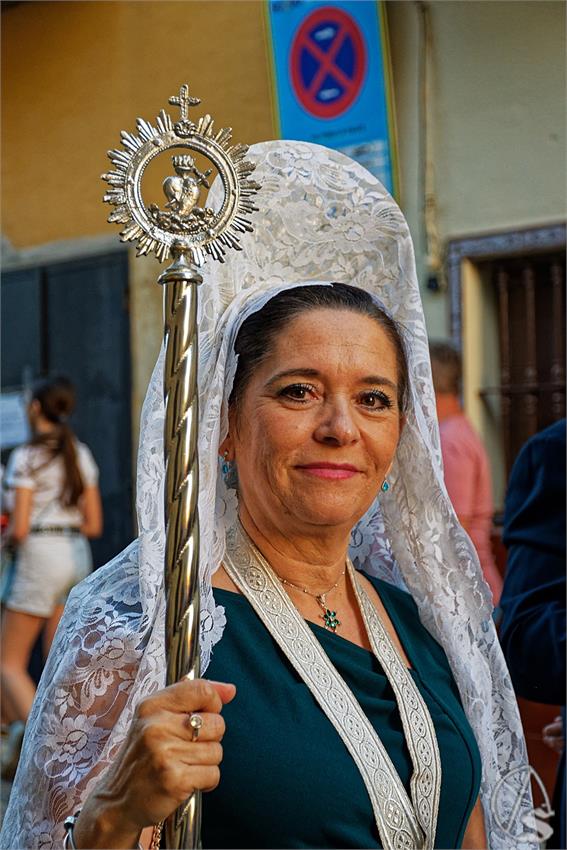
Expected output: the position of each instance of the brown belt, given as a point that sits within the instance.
(62, 530)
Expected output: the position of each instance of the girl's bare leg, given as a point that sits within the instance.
(19, 634)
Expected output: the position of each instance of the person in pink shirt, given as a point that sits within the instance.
(465, 462)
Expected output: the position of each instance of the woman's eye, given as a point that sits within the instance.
(297, 392)
(376, 400)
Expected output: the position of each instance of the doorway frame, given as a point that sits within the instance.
(489, 246)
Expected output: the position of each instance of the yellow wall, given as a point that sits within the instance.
(498, 106)
(75, 74)
(500, 71)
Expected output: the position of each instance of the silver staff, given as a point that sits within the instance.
(186, 233)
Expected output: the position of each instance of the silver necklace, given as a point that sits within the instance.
(329, 617)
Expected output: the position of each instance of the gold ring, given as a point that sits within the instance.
(195, 722)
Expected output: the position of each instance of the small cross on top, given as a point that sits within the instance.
(184, 101)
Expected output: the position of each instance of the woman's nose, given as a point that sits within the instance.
(337, 425)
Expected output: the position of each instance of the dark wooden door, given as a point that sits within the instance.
(531, 299)
(72, 318)
(21, 336)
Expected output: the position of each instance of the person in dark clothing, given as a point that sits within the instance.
(533, 599)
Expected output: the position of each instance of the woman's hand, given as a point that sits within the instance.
(91, 508)
(159, 765)
(553, 735)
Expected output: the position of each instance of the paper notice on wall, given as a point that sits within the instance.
(14, 427)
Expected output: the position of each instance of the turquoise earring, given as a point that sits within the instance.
(225, 464)
(385, 486)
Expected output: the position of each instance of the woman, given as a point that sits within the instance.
(55, 506)
(317, 425)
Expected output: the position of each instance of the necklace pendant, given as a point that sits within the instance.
(330, 619)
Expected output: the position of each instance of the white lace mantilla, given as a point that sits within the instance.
(323, 218)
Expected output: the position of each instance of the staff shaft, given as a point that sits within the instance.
(181, 567)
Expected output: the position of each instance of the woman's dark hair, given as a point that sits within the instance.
(256, 337)
(446, 367)
(56, 398)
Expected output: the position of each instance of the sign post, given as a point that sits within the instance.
(331, 74)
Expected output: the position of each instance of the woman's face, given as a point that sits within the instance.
(317, 427)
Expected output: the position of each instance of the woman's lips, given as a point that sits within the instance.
(330, 470)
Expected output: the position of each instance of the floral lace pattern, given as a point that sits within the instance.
(323, 218)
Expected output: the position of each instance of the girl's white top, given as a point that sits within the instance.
(322, 218)
(32, 467)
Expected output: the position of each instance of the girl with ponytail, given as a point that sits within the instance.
(53, 484)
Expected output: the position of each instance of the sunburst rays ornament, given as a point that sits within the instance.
(196, 230)
(186, 231)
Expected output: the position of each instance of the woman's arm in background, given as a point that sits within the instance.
(91, 507)
(19, 526)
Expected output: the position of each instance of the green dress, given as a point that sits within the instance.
(287, 779)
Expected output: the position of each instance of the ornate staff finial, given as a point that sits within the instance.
(188, 231)
(198, 231)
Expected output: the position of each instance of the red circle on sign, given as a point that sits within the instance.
(347, 28)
